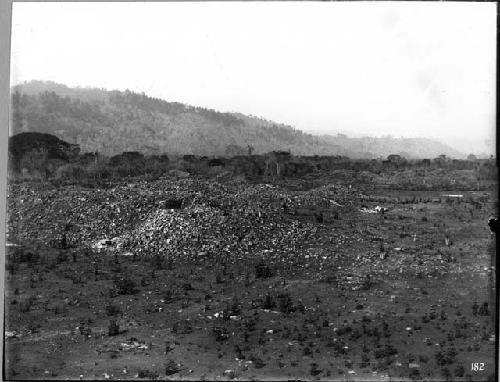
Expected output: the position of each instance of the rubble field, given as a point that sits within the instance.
(229, 279)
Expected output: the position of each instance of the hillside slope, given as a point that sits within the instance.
(112, 122)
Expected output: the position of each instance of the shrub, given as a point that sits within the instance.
(285, 303)
(26, 305)
(171, 368)
(221, 333)
(446, 373)
(387, 351)
(182, 327)
(414, 374)
(144, 373)
(59, 308)
(445, 358)
(24, 256)
(483, 310)
(113, 310)
(365, 360)
(125, 285)
(113, 328)
(459, 371)
(423, 358)
(62, 257)
(263, 270)
(257, 361)
(269, 302)
(314, 369)
(12, 267)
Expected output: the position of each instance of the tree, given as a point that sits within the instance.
(234, 150)
(35, 162)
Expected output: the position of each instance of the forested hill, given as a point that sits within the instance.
(113, 121)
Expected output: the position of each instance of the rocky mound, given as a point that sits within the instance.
(23, 143)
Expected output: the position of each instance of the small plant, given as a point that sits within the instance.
(12, 267)
(263, 270)
(483, 310)
(219, 279)
(125, 286)
(113, 310)
(314, 371)
(300, 307)
(367, 283)
(257, 361)
(269, 302)
(459, 371)
(113, 328)
(446, 373)
(62, 257)
(171, 368)
(144, 373)
(221, 333)
(59, 309)
(33, 326)
(475, 308)
(285, 303)
(423, 358)
(414, 374)
(26, 305)
(365, 360)
(387, 351)
(182, 327)
(445, 358)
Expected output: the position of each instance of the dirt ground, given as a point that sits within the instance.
(319, 290)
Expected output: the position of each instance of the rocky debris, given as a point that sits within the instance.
(196, 219)
(132, 345)
(11, 334)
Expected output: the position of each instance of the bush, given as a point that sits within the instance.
(423, 358)
(263, 270)
(285, 303)
(113, 328)
(24, 256)
(446, 373)
(445, 358)
(221, 333)
(314, 369)
(483, 310)
(414, 374)
(12, 267)
(459, 371)
(171, 368)
(365, 360)
(62, 257)
(269, 302)
(125, 286)
(182, 327)
(257, 361)
(113, 310)
(387, 351)
(26, 305)
(144, 373)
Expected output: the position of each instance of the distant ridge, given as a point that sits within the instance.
(114, 121)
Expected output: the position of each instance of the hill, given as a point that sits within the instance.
(113, 121)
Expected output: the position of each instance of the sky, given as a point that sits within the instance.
(361, 68)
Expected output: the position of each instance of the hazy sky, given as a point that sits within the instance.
(401, 69)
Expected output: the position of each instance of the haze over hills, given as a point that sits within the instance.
(114, 121)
